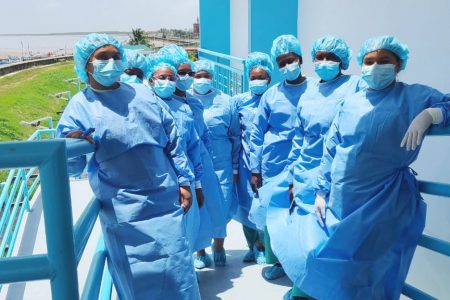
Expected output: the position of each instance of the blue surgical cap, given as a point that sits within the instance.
(335, 45)
(86, 46)
(285, 44)
(259, 60)
(204, 65)
(158, 62)
(135, 60)
(175, 53)
(385, 42)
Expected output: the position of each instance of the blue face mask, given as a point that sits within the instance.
(327, 70)
(258, 86)
(378, 76)
(164, 88)
(130, 78)
(291, 72)
(202, 85)
(106, 72)
(184, 82)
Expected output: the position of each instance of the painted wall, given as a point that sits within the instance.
(239, 28)
(215, 25)
(423, 26)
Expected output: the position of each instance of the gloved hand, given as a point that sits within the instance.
(200, 197)
(185, 198)
(416, 130)
(256, 182)
(320, 206)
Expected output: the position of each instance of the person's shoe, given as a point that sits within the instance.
(288, 296)
(220, 258)
(201, 262)
(249, 256)
(274, 272)
(258, 256)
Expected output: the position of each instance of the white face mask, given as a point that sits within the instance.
(378, 76)
(202, 85)
(291, 71)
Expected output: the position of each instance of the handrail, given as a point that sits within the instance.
(93, 282)
(84, 226)
(220, 55)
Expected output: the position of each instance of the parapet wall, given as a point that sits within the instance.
(6, 69)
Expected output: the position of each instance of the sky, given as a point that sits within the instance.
(54, 16)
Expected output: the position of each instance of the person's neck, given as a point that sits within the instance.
(299, 80)
(98, 87)
(180, 93)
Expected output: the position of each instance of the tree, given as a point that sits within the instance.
(138, 37)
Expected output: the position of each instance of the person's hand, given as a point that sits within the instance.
(185, 198)
(291, 192)
(416, 130)
(200, 197)
(256, 182)
(79, 134)
(235, 178)
(320, 206)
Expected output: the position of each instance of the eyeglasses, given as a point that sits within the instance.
(166, 77)
(184, 73)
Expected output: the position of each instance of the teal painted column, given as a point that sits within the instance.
(215, 25)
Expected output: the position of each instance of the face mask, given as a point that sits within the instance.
(258, 86)
(202, 85)
(378, 76)
(184, 82)
(130, 78)
(291, 72)
(327, 70)
(106, 72)
(164, 88)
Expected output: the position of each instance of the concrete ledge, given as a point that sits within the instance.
(7, 69)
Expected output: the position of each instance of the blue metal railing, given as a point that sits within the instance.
(426, 241)
(229, 72)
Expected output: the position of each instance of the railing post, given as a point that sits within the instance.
(58, 224)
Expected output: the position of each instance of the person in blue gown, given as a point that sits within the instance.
(212, 218)
(222, 121)
(315, 112)
(162, 79)
(139, 173)
(368, 212)
(136, 66)
(272, 133)
(259, 67)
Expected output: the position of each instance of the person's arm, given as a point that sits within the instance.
(194, 155)
(257, 132)
(234, 134)
(297, 144)
(74, 123)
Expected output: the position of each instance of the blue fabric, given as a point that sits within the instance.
(135, 60)
(222, 121)
(212, 218)
(385, 42)
(204, 65)
(85, 47)
(176, 53)
(191, 144)
(258, 60)
(133, 173)
(247, 105)
(273, 129)
(285, 44)
(375, 212)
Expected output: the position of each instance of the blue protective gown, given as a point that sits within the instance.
(212, 218)
(375, 212)
(247, 105)
(222, 121)
(273, 129)
(271, 140)
(191, 143)
(133, 173)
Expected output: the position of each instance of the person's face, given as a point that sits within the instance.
(259, 74)
(287, 59)
(202, 74)
(326, 56)
(103, 53)
(163, 74)
(135, 71)
(185, 69)
(382, 57)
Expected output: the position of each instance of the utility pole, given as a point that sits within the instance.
(21, 43)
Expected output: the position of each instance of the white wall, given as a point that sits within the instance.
(424, 26)
(239, 26)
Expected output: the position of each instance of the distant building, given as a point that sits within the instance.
(196, 28)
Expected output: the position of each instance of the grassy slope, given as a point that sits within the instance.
(24, 96)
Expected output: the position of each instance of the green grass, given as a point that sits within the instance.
(24, 96)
